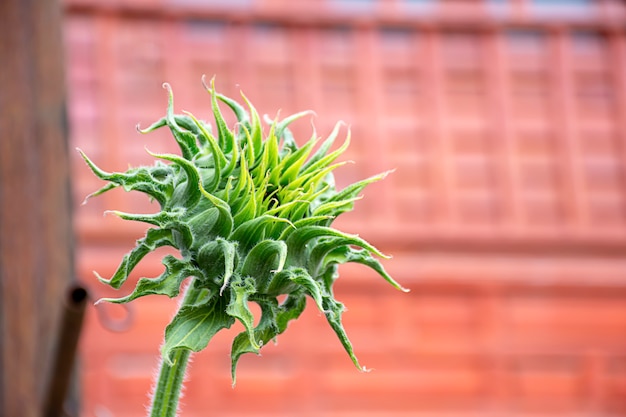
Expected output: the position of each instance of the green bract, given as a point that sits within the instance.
(250, 213)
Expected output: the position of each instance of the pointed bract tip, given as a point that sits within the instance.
(210, 86)
(383, 175)
(100, 278)
(204, 83)
(145, 148)
(82, 154)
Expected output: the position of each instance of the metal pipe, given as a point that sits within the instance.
(59, 379)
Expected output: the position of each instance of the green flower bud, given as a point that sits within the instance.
(251, 215)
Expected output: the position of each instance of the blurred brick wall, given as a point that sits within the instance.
(506, 216)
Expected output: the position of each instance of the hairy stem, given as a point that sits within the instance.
(169, 385)
(170, 380)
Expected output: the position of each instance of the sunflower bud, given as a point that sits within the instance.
(251, 215)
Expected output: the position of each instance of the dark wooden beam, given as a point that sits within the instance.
(35, 222)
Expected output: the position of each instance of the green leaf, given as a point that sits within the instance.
(299, 248)
(204, 225)
(168, 283)
(224, 224)
(310, 286)
(282, 282)
(226, 138)
(324, 246)
(244, 202)
(306, 221)
(323, 149)
(329, 276)
(313, 179)
(282, 125)
(256, 135)
(247, 212)
(107, 187)
(260, 172)
(185, 139)
(161, 219)
(217, 260)
(186, 194)
(290, 309)
(344, 200)
(154, 126)
(252, 232)
(189, 124)
(273, 157)
(265, 331)
(265, 259)
(240, 112)
(219, 159)
(333, 310)
(291, 164)
(240, 291)
(274, 321)
(335, 208)
(344, 254)
(195, 325)
(154, 238)
(141, 179)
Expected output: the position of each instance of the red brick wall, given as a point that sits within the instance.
(506, 215)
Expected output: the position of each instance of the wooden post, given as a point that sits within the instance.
(35, 222)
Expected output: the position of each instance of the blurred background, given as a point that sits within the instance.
(505, 122)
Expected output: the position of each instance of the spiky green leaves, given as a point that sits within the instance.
(251, 215)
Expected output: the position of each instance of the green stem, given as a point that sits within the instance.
(171, 377)
(169, 385)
